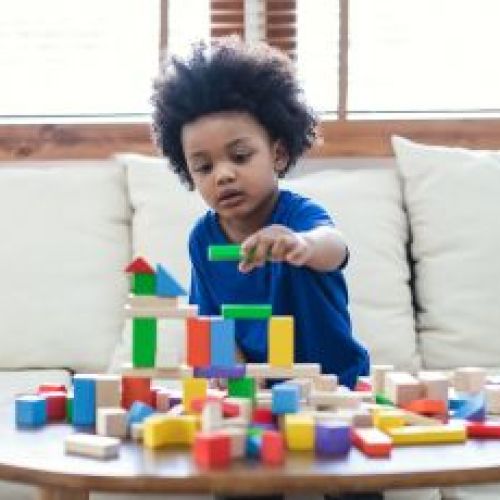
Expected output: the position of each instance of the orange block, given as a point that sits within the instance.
(198, 341)
(427, 406)
(372, 442)
(136, 389)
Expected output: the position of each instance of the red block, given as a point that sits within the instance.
(139, 266)
(483, 430)
(230, 409)
(51, 388)
(197, 404)
(198, 341)
(372, 442)
(212, 450)
(273, 448)
(262, 416)
(136, 389)
(56, 405)
(362, 386)
(427, 407)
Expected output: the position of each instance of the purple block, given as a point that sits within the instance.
(236, 371)
(333, 438)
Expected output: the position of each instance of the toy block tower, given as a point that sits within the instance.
(143, 277)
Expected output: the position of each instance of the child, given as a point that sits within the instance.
(231, 121)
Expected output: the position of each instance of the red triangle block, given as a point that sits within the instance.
(139, 266)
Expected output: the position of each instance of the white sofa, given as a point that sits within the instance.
(424, 274)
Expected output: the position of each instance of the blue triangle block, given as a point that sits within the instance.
(166, 285)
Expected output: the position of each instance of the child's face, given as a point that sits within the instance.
(233, 164)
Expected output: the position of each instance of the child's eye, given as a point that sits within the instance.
(203, 169)
(241, 157)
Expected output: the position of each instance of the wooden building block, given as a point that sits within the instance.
(492, 393)
(220, 253)
(84, 396)
(372, 442)
(49, 387)
(198, 341)
(166, 285)
(246, 311)
(143, 284)
(179, 311)
(178, 372)
(378, 373)
(112, 422)
(193, 388)
(416, 434)
(222, 342)
(469, 379)
(285, 398)
(91, 445)
(299, 432)
(31, 411)
(281, 341)
(164, 430)
(402, 388)
(483, 430)
(108, 390)
(336, 399)
(473, 408)
(212, 450)
(273, 448)
(144, 342)
(152, 302)
(328, 382)
(244, 405)
(56, 405)
(162, 400)
(388, 419)
(138, 412)
(136, 388)
(298, 370)
(242, 388)
(136, 431)
(305, 386)
(211, 416)
(435, 385)
(237, 437)
(332, 438)
(427, 407)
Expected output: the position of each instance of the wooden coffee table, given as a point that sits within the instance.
(36, 457)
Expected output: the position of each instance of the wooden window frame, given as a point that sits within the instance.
(340, 137)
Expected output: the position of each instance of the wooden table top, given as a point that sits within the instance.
(37, 457)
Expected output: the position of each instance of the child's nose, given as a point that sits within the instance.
(224, 173)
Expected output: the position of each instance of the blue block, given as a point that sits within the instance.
(285, 398)
(236, 371)
(332, 438)
(31, 411)
(84, 400)
(222, 341)
(138, 412)
(253, 445)
(474, 409)
(166, 285)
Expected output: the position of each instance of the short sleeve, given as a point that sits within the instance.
(308, 215)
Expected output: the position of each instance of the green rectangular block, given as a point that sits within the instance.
(69, 409)
(242, 388)
(144, 342)
(224, 252)
(380, 399)
(247, 311)
(144, 284)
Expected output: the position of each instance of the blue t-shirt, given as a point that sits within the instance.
(316, 300)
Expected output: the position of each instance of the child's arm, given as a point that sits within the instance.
(322, 248)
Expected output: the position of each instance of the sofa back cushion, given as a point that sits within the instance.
(368, 205)
(453, 201)
(65, 243)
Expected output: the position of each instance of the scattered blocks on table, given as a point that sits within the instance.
(281, 341)
(435, 385)
(402, 388)
(428, 407)
(246, 311)
(222, 342)
(112, 422)
(336, 399)
(262, 415)
(162, 400)
(416, 434)
(198, 341)
(91, 445)
(253, 444)
(237, 437)
(212, 450)
(326, 382)
(285, 398)
(84, 398)
(31, 411)
(372, 442)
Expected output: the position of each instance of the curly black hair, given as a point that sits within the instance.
(230, 75)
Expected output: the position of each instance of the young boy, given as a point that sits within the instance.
(231, 120)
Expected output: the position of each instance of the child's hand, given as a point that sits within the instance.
(276, 243)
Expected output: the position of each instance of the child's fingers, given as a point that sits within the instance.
(279, 249)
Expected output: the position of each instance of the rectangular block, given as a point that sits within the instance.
(470, 379)
(108, 390)
(193, 388)
(144, 342)
(246, 311)
(299, 432)
(483, 430)
(84, 400)
(91, 445)
(241, 388)
(281, 341)
(298, 370)
(372, 442)
(164, 430)
(416, 434)
(435, 384)
(31, 411)
(218, 253)
(332, 438)
(378, 373)
(236, 371)
(402, 388)
(198, 344)
(222, 342)
(285, 398)
(179, 311)
(112, 422)
(144, 284)
(135, 388)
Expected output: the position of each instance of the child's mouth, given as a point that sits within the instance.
(230, 199)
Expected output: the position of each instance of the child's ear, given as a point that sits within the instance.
(280, 156)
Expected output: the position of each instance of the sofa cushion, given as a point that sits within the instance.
(452, 197)
(368, 204)
(65, 242)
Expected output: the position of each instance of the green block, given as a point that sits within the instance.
(380, 399)
(69, 409)
(144, 342)
(144, 284)
(224, 252)
(255, 431)
(241, 388)
(247, 311)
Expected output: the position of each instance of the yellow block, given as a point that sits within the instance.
(428, 434)
(164, 430)
(193, 388)
(388, 419)
(281, 341)
(299, 432)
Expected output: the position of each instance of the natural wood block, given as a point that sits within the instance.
(336, 399)
(435, 384)
(378, 373)
(91, 445)
(108, 390)
(402, 388)
(112, 422)
(470, 379)
(327, 382)
(493, 399)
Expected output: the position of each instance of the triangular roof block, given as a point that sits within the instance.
(166, 285)
(139, 266)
